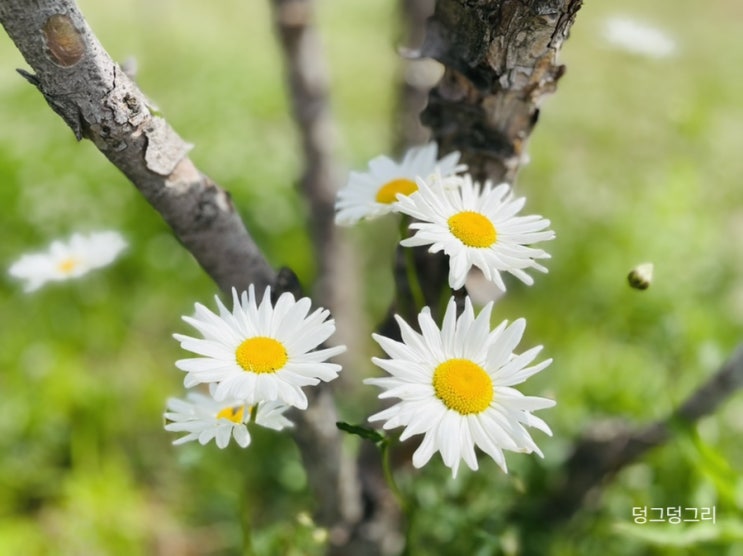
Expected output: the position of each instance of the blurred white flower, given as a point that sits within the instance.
(638, 38)
(258, 352)
(475, 227)
(372, 194)
(204, 419)
(66, 260)
(455, 387)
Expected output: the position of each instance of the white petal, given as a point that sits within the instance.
(241, 435)
(223, 434)
(501, 352)
(424, 452)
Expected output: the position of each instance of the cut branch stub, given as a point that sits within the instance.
(500, 58)
(63, 39)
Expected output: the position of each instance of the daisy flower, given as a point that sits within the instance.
(638, 38)
(475, 227)
(372, 194)
(259, 352)
(66, 260)
(455, 387)
(205, 419)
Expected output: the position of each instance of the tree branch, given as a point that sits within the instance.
(500, 62)
(602, 453)
(99, 102)
(500, 58)
(308, 85)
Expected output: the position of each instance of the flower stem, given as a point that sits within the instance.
(406, 506)
(390, 477)
(246, 525)
(413, 280)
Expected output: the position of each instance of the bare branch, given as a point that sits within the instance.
(603, 452)
(308, 87)
(99, 102)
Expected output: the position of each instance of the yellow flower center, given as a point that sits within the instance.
(387, 194)
(473, 229)
(463, 386)
(261, 355)
(234, 414)
(67, 265)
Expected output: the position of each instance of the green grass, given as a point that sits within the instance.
(633, 160)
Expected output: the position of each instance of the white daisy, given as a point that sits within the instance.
(258, 352)
(66, 260)
(455, 387)
(372, 194)
(204, 419)
(475, 228)
(638, 38)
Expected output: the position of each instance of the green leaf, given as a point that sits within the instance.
(363, 432)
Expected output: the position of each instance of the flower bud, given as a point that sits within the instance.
(641, 276)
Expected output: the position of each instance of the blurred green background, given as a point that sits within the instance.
(634, 159)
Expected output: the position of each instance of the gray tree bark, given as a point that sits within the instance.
(99, 102)
(501, 62)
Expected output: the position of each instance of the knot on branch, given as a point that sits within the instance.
(64, 41)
